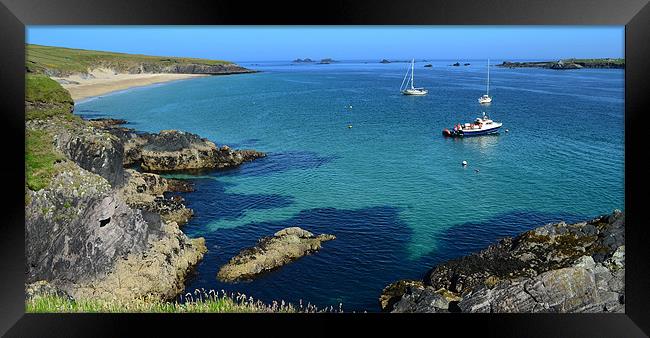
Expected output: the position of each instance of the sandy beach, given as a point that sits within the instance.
(105, 81)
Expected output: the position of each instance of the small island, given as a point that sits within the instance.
(326, 61)
(306, 60)
(568, 64)
(384, 61)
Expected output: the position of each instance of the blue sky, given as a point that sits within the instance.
(260, 43)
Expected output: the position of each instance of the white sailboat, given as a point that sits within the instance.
(486, 97)
(411, 90)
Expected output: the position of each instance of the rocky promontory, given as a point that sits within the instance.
(554, 268)
(173, 150)
(271, 253)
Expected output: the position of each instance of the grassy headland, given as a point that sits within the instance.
(61, 61)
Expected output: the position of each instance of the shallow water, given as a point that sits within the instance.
(391, 188)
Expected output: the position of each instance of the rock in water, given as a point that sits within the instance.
(272, 252)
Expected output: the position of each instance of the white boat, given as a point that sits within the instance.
(486, 97)
(408, 87)
(481, 126)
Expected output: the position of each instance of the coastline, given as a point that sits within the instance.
(81, 88)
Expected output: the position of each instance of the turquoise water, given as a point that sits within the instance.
(391, 188)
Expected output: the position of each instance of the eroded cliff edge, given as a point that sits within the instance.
(95, 229)
(554, 268)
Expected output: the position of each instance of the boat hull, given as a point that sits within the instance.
(480, 132)
(415, 92)
(469, 133)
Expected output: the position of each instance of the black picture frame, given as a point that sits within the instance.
(16, 14)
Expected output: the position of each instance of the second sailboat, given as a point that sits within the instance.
(408, 87)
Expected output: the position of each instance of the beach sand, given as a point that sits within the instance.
(104, 81)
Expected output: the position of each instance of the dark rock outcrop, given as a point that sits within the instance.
(428, 65)
(554, 268)
(272, 252)
(456, 64)
(172, 150)
(104, 122)
(384, 61)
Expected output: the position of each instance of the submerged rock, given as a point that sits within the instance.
(554, 268)
(272, 252)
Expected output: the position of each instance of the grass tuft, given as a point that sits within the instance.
(40, 157)
(198, 302)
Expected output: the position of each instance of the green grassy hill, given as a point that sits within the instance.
(45, 97)
(59, 61)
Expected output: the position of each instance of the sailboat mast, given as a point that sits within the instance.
(488, 82)
(412, 68)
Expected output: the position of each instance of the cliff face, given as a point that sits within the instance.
(554, 268)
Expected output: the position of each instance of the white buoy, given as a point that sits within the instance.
(464, 163)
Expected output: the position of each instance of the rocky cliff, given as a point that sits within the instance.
(95, 229)
(554, 268)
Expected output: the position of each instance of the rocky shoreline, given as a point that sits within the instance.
(554, 268)
(97, 229)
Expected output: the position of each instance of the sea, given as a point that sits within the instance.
(349, 155)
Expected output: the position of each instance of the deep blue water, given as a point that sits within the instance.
(391, 188)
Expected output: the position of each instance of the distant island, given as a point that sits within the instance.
(327, 61)
(384, 61)
(306, 60)
(568, 64)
